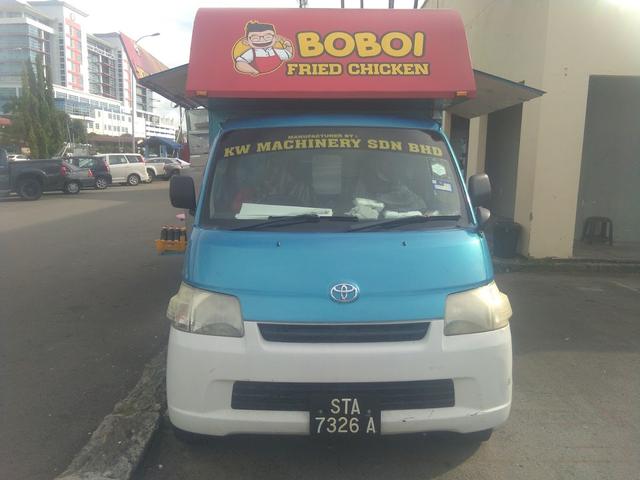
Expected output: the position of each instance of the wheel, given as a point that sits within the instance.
(72, 188)
(101, 183)
(478, 437)
(30, 189)
(188, 437)
(152, 175)
(133, 179)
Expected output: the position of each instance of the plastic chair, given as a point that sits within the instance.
(599, 229)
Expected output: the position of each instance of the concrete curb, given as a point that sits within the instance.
(564, 266)
(116, 447)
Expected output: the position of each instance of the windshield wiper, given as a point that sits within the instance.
(283, 221)
(397, 222)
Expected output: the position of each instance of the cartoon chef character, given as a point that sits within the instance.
(265, 50)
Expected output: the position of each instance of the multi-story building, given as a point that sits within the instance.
(93, 75)
(25, 34)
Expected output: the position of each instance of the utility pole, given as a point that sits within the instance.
(134, 93)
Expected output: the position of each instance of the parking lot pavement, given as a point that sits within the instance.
(575, 406)
(82, 301)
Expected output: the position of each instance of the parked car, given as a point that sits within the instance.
(99, 167)
(155, 167)
(17, 157)
(76, 178)
(163, 167)
(174, 167)
(126, 168)
(30, 179)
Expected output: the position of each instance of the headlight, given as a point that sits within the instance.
(478, 310)
(207, 313)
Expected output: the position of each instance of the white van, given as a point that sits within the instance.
(126, 168)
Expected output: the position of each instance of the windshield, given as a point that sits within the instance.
(358, 174)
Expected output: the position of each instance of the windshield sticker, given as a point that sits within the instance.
(438, 169)
(331, 141)
(442, 185)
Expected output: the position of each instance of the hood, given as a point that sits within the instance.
(287, 277)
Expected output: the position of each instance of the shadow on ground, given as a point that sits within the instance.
(271, 457)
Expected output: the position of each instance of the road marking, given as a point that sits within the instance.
(620, 284)
(590, 289)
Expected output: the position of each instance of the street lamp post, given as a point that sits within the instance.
(134, 93)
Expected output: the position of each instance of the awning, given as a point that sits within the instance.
(164, 141)
(171, 85)
(493, 93)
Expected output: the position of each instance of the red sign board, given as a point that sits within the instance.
(142, 62)
(329, 53)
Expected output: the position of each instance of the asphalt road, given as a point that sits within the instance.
(82, 302)
(575, 407)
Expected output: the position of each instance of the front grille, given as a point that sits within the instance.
(281, 396)
(387, 332)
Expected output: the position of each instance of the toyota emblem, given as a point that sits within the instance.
(344, 292)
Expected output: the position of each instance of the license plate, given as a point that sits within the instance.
(344, 415)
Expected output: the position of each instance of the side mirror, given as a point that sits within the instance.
(182, 192)
(482, 215)
(480, 190)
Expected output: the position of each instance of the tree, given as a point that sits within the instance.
(35, 120)
(77, 131)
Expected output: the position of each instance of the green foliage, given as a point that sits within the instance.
(78, 131)
(36, 122)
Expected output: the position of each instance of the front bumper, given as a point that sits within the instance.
(201, 371)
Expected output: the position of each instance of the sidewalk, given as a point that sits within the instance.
(566, 265)
(623, 257)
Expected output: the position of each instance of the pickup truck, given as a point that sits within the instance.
(31, 178)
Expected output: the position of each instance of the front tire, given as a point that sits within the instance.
(30, 189)
(101, 183)
(72, 188)
(133, 180)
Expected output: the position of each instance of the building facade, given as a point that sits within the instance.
(573, 153)
(92, 75)
(25, 34)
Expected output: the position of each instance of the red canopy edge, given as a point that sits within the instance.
(329, 54)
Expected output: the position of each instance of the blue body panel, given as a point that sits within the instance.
(286, 276)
